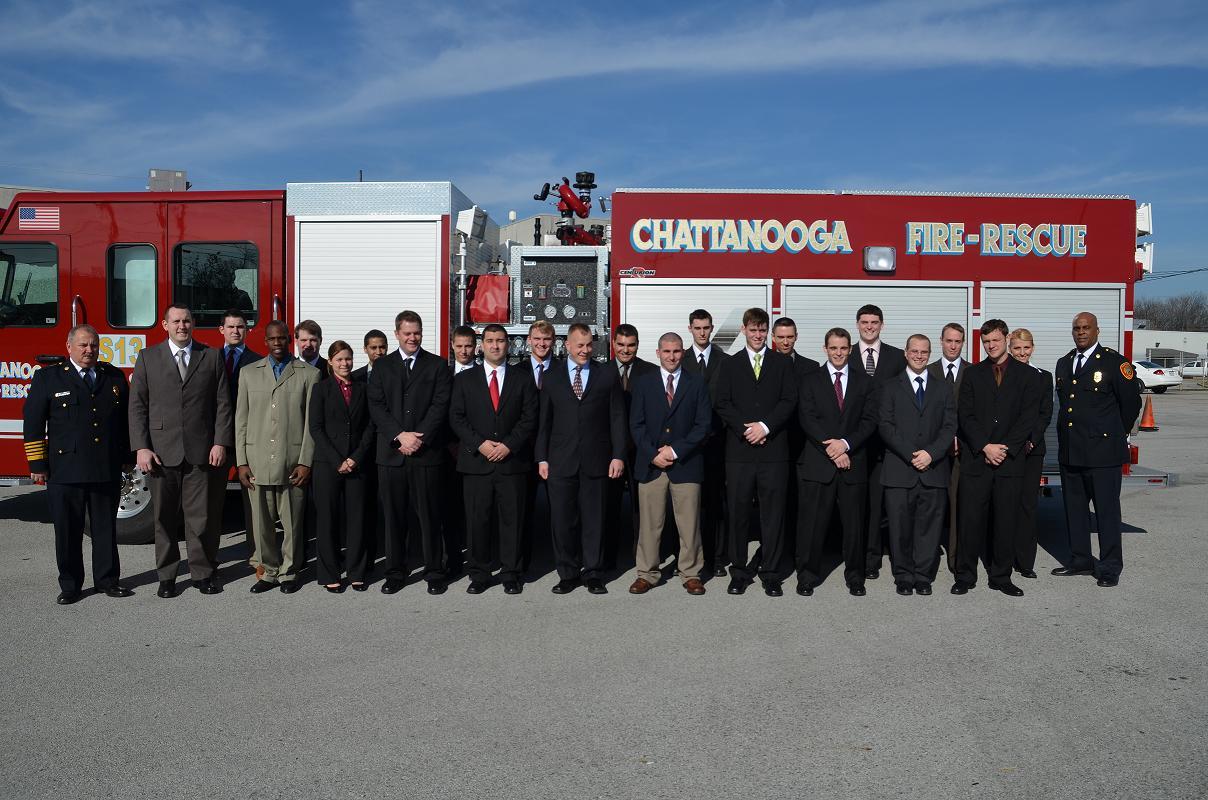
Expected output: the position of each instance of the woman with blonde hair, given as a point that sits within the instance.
(1021, 345)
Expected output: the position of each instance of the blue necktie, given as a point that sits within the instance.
(918, 393)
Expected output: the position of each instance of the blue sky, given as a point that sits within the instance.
(983, 95)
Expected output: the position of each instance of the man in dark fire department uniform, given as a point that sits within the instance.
(77, 443)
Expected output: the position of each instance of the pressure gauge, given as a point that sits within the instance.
(551, 311)
(568, 312)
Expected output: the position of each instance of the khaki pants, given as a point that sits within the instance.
(281, 554)
(652, 513)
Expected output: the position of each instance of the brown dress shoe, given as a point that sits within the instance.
(640, 586)
(694, 586)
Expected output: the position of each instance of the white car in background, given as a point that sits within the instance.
(1156, 377)
(1192, 369)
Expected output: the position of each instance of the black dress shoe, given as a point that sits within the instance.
(872, 574)
(595, 586)
(337, 589)
(261, 586)
(737, 586)
(1063, 572)
(1027, 573)
(719, 572)
(476, 587)
(922, 588)
(805, 590)
(67, 598)
(1106, 581)
(289, 587)
(437, 587)
(904, 589)
(512, 587)
(565, 586)
(361, 587)
(393, 585)
(960, 587)
(856, 589)
(209, 586)
(1007, 588)
(117, 591)
(167, 589)
(773, 589)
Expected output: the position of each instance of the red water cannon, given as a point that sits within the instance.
(571, 205)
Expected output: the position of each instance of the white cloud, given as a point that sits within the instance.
(1190, 117)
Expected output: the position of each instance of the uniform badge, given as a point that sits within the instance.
(1098, 376)
(115, 392)
(1126, 369)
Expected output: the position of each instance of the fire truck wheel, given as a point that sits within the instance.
(134, 521)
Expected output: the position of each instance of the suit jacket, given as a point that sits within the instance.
(581, 436)
(360, 374)
(1003, 414)
(341, 430)
(1044, 388)
(905, 429)
(890, 363)
(272, 420)
(820, 418)
(637, 368)
(75, 434)
(684, 425)
(474, 420)
(771, 400)
(180, 420)
(802, 366)
(248, 356)
(936, 370)
(414, 400)
(715, 446)
(1099, 405)
(321, 365)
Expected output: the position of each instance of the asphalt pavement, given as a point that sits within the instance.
(1070, 691)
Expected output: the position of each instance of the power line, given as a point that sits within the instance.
(32, 167)
(1168, 273)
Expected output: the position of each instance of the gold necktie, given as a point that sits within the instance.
(758, 364)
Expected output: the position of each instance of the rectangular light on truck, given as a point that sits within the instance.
(879, 259)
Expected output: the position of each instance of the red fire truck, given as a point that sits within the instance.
(351, 255)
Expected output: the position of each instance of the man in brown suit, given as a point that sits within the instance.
(181, 425)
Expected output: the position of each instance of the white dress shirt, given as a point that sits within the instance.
(499, 374)
(188, 348)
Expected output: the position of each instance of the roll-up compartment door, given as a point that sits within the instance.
(658, 305)
(1048, 312)
(353, 276)
(909, 307)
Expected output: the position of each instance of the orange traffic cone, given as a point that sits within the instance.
(1147, 422)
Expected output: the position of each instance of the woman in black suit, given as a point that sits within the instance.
(1021, 345)
(344, 503)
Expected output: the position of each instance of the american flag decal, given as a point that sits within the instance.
(38, 218)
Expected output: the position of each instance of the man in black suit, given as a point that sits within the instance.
(1100, 397)
(880, 361)
(837, 412)
(235, 355)
(80, 454)
(494, 416)
(784, 340)
(705, 358)
(756, 396)
(669, 419)
(375, 347)
(629, 367)
(462, 346)
(409, 393)
(950, 366)
(536, 366)
(917, 423)
(463, 343)
(310, 338)
(581, 443)
(997, 409)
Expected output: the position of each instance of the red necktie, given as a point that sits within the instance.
(578, 384)
(670, 389)
(839, 390)
(495, 389)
